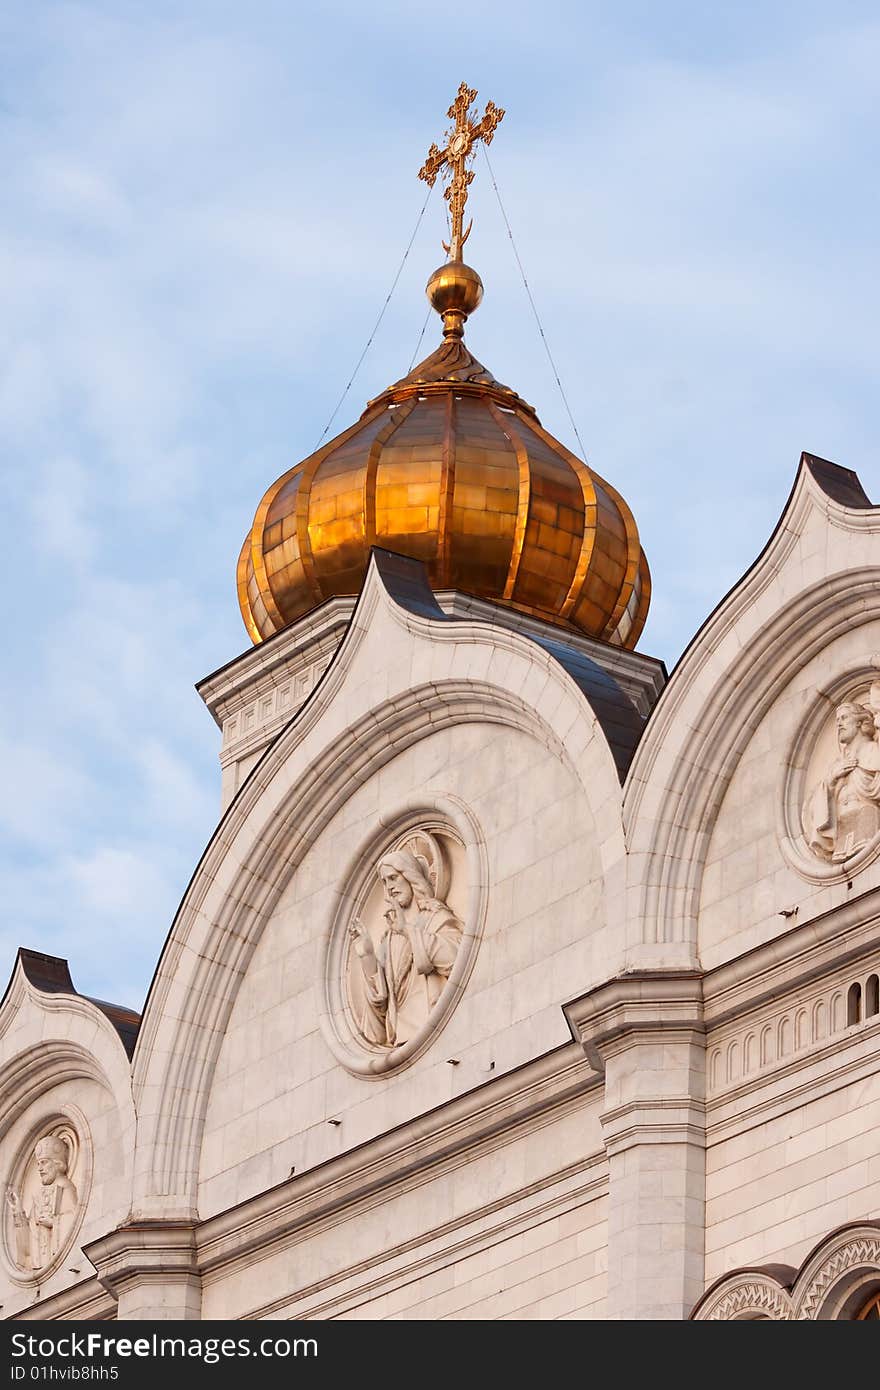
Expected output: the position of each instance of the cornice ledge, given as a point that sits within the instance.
(143, 1250)
(397, 1157)
(641, 1003)
(843, 934)
(325, 624)
(676, 1120)
(87, 1301)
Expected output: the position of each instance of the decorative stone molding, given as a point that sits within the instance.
(641, 1003)
(150, 1268)
(644, 1032)
(254, 720)
(833, 1283)
(85, 1301)
(643, 1012)
(372, 1021)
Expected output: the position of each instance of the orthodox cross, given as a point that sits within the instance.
(461, 141)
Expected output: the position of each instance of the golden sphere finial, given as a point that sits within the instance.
(455, 291)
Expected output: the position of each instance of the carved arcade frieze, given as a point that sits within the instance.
(798, 1027)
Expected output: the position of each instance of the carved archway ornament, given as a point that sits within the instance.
(401, 938)
(748, 1295)
(837, 1282)
(840, 1275)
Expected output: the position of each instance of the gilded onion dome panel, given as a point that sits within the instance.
(335, 521)
(635, 612)
(250, 600)
(478, 490)
(632, 553)
(554, 509)
(484, 482)
(604, 581)
(276, 557)
(405, 498)
(271, 551)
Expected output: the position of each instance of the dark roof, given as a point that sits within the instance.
(407, 582)
(840, 484)
(51, 975)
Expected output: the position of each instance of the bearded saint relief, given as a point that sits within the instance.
(403, 973)
(842, 814)
(43, 1224)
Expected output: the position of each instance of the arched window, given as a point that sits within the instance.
(871, 1310)
(853, 1005)
(872, 996)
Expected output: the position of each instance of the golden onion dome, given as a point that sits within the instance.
(452, 468)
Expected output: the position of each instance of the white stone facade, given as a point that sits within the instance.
(645, 1080)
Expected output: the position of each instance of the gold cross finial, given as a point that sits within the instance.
(460, 147)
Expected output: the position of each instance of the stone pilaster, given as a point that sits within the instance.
(150, 1269)
(645, 1033)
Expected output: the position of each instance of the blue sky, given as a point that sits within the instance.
(203, 207)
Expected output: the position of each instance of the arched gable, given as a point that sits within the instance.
(403, 672)
(65, 1071)
(817, 578)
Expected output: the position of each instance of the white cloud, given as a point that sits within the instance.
(60, 507)
(42, 792)
(174, 796)
(116, 884)
(194, 246)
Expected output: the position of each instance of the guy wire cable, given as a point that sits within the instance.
(375, 328)
(430, 306)
(534, 309)
(419, 343)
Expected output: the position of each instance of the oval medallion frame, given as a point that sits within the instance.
(795, 785)
(430, 816)
(68, 1123)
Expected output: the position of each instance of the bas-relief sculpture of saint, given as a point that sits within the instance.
(405, 973)
(842, 814)
(42, 1231)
